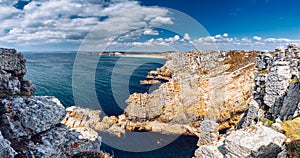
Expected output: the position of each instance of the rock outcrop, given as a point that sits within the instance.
(30, 126)
(274, 103)
(197, 85)
(277, 88)
(254, 141)
(12, 71)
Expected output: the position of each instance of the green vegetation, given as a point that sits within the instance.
(263, 71)
(293, 149)
(294, 79)
(267, 122)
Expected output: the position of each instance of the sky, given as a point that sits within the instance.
(148, 25)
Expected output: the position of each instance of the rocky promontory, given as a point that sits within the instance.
(30, 125)
(239, 103)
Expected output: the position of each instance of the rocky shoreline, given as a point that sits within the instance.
(30, 125)
(238, 103)
(220, 97)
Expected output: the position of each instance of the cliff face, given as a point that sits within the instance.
(12, 66)
(272, 115)
(198, 85)
(30, 126)
(277, 87)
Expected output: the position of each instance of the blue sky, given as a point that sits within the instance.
(239, 18)
(148, 25)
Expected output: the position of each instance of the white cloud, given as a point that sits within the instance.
(220, 42)
(161, 20)
(187, 37)
(257, 38)
(150, 32)
(52, 21)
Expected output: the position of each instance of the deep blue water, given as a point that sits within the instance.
(111, 79)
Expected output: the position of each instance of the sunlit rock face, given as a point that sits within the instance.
(277, 88)
(197, 85)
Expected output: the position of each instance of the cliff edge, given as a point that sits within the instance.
(30, 125)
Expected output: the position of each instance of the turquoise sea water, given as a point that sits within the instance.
(114, 79)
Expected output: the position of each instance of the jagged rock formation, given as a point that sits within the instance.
(255, 141)
(277, 88)
(198, 85)
(12, 71)
(275, 99)
(30, 126)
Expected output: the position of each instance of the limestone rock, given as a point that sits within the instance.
(81, 117)
(250, 115)
(26, 116)
(278, 82)
(59, 142)
(214, 150)
(6, 151)
(202, 85)
(254, 141)
(277, 87)
(290, 102)
(208, 132)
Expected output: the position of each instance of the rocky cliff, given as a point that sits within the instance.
(198, 85)
(12, 71)
(239, 103)
(30, 126)
(272, 117)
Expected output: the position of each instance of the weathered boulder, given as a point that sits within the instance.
(23, 116)
(6, 151)
(213, 150)
(254, 141)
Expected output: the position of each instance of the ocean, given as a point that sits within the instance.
(114, 79)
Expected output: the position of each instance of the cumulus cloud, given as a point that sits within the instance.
(257, 38)
(221, 42)
(69, 21)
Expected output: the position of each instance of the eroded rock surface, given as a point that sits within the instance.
(277, 87)
(30, 126)
(6, 150)
(254, 141)
(199, 85)
(12, 71)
